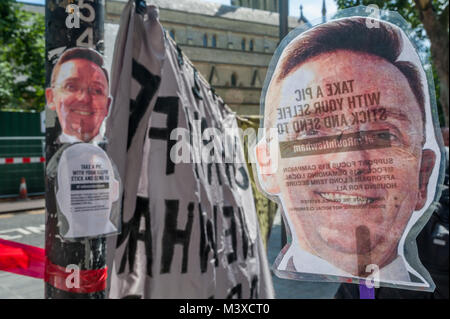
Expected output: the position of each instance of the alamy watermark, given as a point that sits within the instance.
(374, 13)
(212, 145)
(73, 279)
(373, 280)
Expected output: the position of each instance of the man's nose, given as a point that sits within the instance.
(363, 162)
(84, 95)
(358, 160)
(361, 157)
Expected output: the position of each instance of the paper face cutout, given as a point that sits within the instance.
(79, 94)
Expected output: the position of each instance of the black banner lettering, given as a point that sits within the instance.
(168, 106)
(131, 230)
(254, 288)
(245, 237)
(149, 84)
(219, 180)
(245, 181)
(208, 239)
(173, 236)
(235, 291)
(229, 213)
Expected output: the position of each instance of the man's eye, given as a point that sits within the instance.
(307, 133)
(97, 91)
(311, 132)
(387, 136)
(71, 87)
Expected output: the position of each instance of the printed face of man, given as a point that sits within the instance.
(79, 95)
(344, 192)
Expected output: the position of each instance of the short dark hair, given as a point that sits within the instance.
(353, 34)
(79, 53)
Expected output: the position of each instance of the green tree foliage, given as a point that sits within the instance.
(405, 7)
(22, 49)
(429, 20)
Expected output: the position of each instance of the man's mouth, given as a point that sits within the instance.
(351, 200)
(83, 113)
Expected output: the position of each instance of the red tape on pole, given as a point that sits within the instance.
(89, 281)
(30, 261)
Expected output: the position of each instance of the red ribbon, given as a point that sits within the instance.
(31, 261)
(22, 259)
(88, 281)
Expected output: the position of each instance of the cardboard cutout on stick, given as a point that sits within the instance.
(350, 151)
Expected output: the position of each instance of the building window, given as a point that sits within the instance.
(251, 45)
(243, 43)
(214, 41)
(213, 76)
(266, 45)
(256, 79)
(172, 34)
(205, 40)
(234, 79)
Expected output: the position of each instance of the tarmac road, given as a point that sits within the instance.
(28, 228)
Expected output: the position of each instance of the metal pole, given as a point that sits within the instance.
(283, 9)
(65, 28)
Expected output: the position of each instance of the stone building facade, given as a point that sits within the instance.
(267, 5)
(230, 46)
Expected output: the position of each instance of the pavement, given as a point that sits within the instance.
(31, 231)
(21, 205)
(26, 227)
(294, 289)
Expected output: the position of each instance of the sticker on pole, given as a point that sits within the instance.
(351, 150)
(87, 191)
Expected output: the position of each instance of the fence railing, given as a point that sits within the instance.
(22, 156)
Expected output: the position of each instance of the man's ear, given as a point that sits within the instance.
(265, 168)
(49, 97)
(426, 167)
(108, 106)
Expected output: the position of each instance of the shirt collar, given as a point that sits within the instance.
(306, 262)
(64, 138)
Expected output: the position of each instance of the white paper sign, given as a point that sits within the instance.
(86, 191)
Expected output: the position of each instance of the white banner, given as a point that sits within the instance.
(189, 222)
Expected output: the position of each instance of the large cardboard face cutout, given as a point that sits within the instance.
(357, 162)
